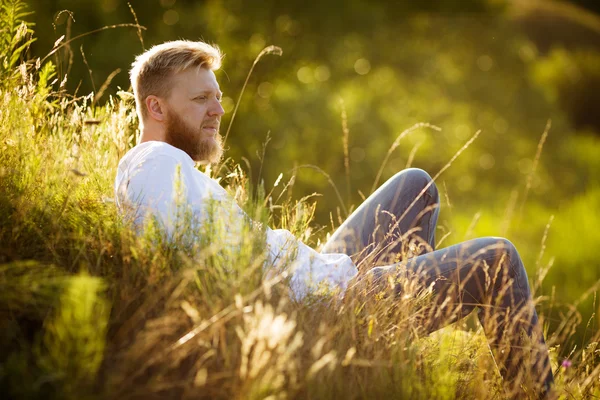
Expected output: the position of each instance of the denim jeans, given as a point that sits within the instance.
(395, 229)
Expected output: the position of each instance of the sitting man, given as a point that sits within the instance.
(179, 107)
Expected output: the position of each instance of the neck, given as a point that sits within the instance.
(151, 133)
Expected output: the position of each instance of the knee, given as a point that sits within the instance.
(505, 246)
(509, 267)
(507, 251)
(417, 178)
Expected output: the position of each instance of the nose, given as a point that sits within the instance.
(216, 108)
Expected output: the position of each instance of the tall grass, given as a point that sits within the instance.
(90, 309)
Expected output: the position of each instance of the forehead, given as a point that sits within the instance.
(194, 80)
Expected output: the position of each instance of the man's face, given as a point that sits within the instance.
(194, 114)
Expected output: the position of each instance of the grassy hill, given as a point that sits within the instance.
(88, 309)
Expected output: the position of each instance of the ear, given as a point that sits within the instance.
(156, 108)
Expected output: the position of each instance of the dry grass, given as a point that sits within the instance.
(91, 310)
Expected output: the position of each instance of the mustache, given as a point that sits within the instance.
(212, 123)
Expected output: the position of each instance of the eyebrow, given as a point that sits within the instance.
(201, 92)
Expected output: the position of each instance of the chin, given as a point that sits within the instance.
(210, 151)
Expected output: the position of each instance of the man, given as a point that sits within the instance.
(178, 102)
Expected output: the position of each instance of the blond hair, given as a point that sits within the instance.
(151, 71)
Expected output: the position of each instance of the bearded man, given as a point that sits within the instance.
(178, 102)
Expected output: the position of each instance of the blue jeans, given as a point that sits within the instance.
(395, 227)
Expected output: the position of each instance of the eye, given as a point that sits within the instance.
(201, 98)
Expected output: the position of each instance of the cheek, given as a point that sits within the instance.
(190, 115)
(197, 114)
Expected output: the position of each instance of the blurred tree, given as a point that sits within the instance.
(459, 65)
(572, 80)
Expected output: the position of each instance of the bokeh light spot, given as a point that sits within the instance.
(167, 3)
(265, 89)
(462, 131)
(485, 63)
(109, 5)
(322, 73)
(528, 52)
(525, 165)
(285, 24)
(227, 103)
(362, 66)
(170, 17)
(305, 75)
(257, 42)
(486, 161)
(500, 125)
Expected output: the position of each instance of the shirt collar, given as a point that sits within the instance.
(175, 152)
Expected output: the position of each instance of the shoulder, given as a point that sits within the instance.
(151, 153)
(153, 166)
(157, 160)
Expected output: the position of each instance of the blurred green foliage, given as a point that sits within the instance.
(460, 65)
(88, 309)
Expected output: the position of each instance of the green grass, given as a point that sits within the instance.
(90, 310)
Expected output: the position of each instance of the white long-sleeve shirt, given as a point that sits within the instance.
(146, 183)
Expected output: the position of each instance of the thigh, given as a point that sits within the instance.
(406, 206)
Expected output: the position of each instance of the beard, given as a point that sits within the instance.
(191, 140)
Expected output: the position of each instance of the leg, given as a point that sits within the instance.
(486, 273)
(403, 210)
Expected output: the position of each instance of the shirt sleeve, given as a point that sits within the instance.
(311, 271)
